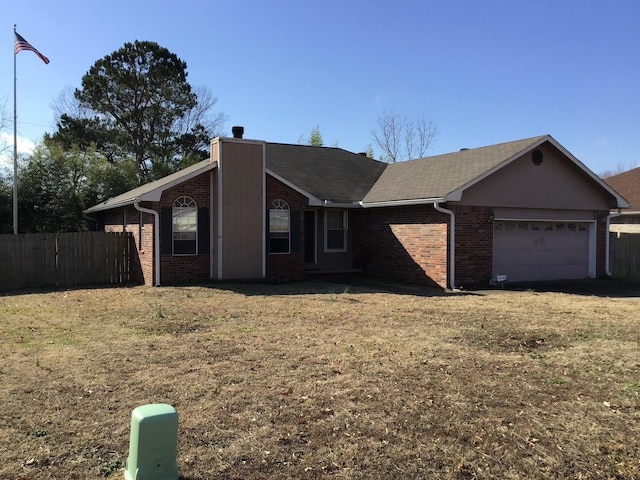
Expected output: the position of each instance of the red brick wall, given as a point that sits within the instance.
(474, 245)
(176, 269)
(411, 244)
(408, 244)
(146, 251)
(197, 188)
(286, 267)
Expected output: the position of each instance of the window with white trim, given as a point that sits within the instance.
(279, 227)
(184, 223)
(335, 230)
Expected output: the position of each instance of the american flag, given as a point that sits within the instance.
(22, 44)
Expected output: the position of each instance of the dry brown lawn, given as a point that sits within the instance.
(322, 380)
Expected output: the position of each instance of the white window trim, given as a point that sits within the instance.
(173, 242)
(280, 202)
(345, 223)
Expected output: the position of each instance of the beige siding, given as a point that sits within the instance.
(215, 151)
(241, 210)
(555, 184)
(543, 214)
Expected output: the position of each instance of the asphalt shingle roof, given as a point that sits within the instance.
(436, 177)
(327, 173)
(338, 176)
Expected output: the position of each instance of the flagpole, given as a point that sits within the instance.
(15, 143)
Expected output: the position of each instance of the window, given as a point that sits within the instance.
(184, 216)
(335, 231)
(279, 227)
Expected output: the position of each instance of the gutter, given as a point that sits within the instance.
(329, 203)
(452, 244)
(108, 206)
(401, 203)
(156, 238)
(607, 262)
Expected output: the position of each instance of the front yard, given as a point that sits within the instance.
(322, 380)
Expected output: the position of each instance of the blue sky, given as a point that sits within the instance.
(485, 71)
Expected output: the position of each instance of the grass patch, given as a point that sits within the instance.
(320, 380)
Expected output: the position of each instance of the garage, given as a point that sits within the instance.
(542, 250)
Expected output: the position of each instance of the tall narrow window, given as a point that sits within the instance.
(185, 226)
(335, 231)
(279, 227)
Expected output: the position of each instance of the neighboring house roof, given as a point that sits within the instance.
(329, 174)
(628, 184)
(153, 191)
(444, 177)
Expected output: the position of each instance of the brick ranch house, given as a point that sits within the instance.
(257, 210)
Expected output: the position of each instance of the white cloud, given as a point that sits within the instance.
(25, 146)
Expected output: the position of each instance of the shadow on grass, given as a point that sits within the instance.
(604, 288)
(333, 284)
(358, 283)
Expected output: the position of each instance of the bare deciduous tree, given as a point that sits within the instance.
(402, 139)
(621, 167)
(201, 114)
(67, 104)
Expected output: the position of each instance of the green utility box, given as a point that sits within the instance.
(153, 445)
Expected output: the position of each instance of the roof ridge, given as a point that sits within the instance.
(474, 149)
(285, 144)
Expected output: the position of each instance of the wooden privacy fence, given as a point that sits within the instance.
(64, 259)
(625, 256)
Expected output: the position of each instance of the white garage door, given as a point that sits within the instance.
(532, 251)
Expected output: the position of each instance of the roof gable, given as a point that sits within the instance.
(436, 177)
(445, 177)
(152, 191)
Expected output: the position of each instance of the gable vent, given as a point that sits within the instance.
(537, 157)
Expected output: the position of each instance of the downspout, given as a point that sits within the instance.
(452, 244)
(156, 239)
(607, 266)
